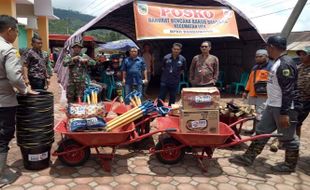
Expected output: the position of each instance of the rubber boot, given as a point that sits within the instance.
(5, 177)
(249, 156)
(291, 158)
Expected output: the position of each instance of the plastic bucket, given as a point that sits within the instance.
(34, 129)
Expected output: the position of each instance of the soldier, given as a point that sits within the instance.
(77, 63)
(280, 113)
(303, 86)
(10, 78)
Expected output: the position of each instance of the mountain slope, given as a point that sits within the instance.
(70, 21)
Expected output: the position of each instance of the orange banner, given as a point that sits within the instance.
(161, 21)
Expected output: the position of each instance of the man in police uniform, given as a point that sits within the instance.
(77, 63)
(10, 78)
(279, 114)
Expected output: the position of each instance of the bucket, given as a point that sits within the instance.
(34, 129)
(36, 158)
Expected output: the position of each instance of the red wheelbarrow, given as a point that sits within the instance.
(74, 148)
(173, 144)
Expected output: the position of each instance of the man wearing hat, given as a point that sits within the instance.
(279, 114)
(256, 88)
(77, 63)
(303, 86)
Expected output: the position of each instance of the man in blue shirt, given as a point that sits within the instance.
(173, 65)
(133, 67)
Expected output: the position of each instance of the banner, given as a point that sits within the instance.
(162, 21)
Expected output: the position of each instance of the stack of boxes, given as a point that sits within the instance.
(200, 110)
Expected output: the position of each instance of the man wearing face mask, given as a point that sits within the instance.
(204, 69)
(173, 65)
(10, 78)
(280, 112)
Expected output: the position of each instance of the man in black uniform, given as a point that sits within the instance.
(279, 114)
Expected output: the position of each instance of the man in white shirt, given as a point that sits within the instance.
(279, 114)
(11, 80)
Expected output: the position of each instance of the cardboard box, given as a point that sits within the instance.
(200, 122)
(202, 98)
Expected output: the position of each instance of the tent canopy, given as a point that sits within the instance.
(120, 45)
(235, 55)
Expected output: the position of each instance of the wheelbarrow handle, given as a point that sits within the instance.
(241, 121)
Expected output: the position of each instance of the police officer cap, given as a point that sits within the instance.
(77, 44)
(277, 41)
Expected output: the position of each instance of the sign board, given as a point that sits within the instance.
(160, 21)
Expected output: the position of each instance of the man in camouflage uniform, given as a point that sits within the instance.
(36, 65)
(77, 63)
(303, 86)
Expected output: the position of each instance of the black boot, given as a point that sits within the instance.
(249, 156)
(5, 177)
(291, 158)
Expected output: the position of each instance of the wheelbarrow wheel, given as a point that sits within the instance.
(76, 158)
(169, 156)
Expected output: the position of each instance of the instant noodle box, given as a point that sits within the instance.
(200, 122)
(200, 98)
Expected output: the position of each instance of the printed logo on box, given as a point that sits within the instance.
(203, 99)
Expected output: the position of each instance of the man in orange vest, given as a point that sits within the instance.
(255, 90)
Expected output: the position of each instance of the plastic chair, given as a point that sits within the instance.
(220, 80)
(182, 82)
(243, 80)
(111, 86)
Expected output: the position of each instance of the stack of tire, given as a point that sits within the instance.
(34, 129)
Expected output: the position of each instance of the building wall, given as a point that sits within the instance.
(22, 37)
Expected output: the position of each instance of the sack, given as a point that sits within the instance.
(260, 87)
(79, 124)
(85, 110)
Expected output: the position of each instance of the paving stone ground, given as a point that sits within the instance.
(139, 170)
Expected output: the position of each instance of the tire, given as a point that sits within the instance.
(77, 158)
(172, 156)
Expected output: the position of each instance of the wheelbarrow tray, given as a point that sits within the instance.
(194, 139)
(97, 138)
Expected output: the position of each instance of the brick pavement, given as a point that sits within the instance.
(138, 170)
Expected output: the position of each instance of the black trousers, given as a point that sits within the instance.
(7, 127)
(37, 83)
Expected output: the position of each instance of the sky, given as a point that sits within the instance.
(269, 16)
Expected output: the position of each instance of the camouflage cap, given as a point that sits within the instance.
(305, 49)
(77, 44)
